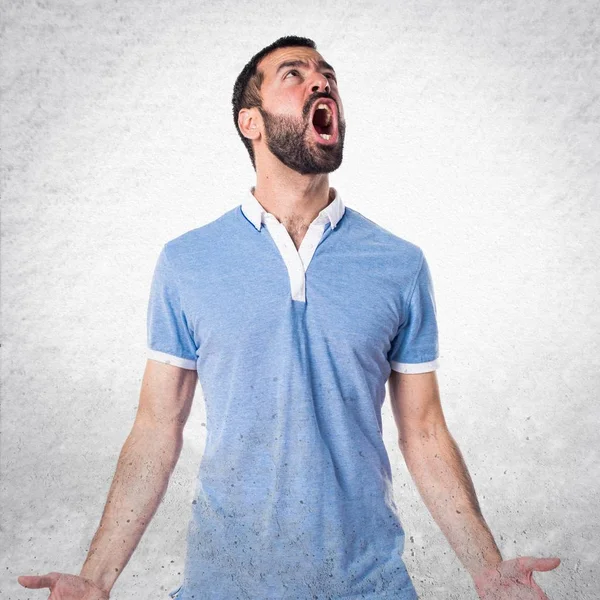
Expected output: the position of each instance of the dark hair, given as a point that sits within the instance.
(246, 91)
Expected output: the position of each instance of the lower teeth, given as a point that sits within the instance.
(325, 136)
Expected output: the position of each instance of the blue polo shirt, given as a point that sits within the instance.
(293, 349)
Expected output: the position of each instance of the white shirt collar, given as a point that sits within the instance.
(255, 212)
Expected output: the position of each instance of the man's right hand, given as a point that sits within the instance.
(64, 587)
(145, 464)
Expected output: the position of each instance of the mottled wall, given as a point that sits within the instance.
(472, 130)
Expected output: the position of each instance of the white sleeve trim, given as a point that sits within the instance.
(423, 367)
(177, 361)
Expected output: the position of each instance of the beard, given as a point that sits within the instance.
(289, 140)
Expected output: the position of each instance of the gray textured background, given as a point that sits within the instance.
(473, 131)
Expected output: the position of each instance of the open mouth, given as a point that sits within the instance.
(323, 120)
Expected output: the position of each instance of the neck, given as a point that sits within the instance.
(293, 198)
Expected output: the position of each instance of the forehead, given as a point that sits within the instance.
(268, 65)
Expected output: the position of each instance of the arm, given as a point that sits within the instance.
(438, 469)
(145, 464)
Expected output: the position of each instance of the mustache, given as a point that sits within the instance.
(315, 98)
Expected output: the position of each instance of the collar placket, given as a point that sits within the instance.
(295, 260)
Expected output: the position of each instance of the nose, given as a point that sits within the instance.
(321, 82)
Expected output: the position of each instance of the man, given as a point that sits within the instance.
(293, 310)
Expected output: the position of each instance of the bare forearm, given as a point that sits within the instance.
(142, 475)
(440, 473)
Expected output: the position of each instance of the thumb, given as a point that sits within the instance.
(531, 563)
(38, 581)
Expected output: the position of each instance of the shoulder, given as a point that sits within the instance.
(197, 242)
(392, 246)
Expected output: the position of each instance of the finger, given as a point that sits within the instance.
(531, 563)
(38, 581)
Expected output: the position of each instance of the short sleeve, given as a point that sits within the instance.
(169, 338)
(415, 347)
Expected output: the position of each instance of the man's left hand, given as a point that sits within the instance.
(513, 579)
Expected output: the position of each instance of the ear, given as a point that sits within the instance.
(249, 123)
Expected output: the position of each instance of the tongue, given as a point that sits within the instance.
(319, 122)
(320, 128)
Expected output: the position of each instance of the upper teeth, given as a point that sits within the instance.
(326, 107)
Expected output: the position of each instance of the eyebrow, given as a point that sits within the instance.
(302, 63)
